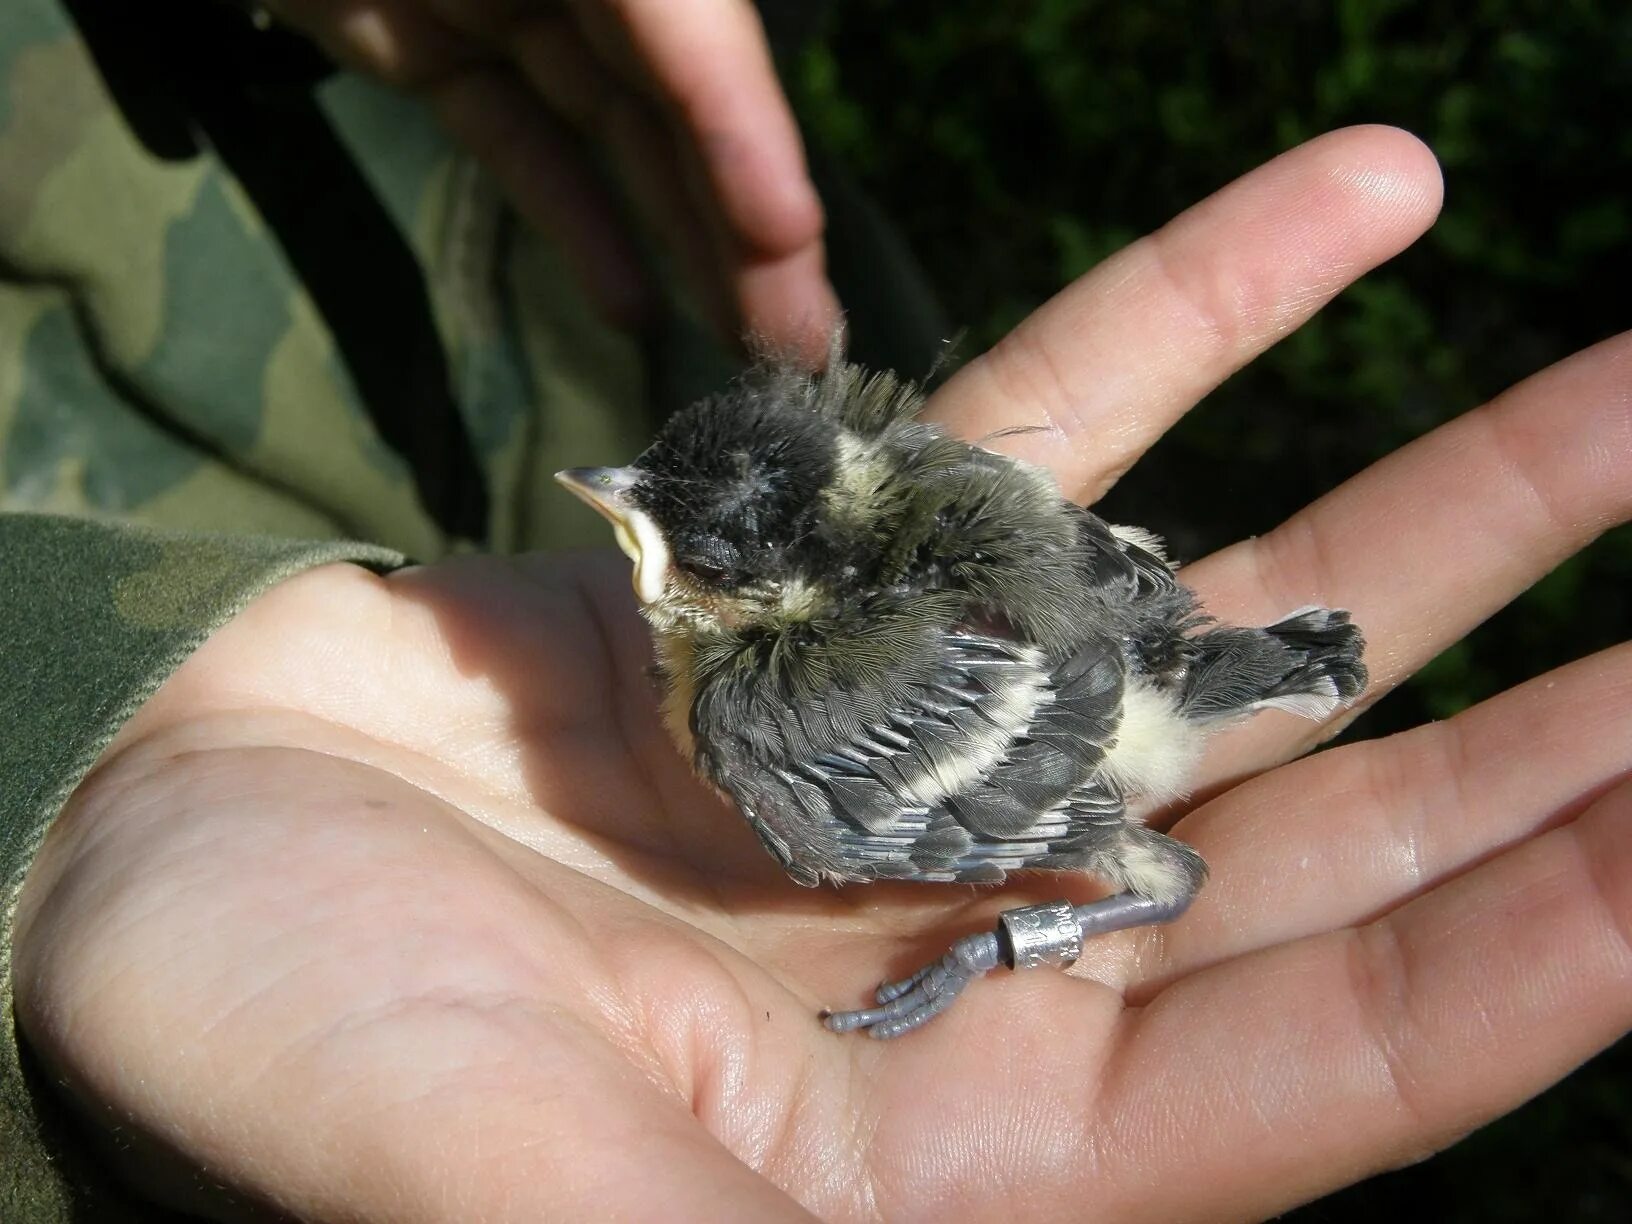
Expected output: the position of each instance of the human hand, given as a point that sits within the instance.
(396, 903)
(681, 98)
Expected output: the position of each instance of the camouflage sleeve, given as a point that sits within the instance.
(94, 616)
(163, 359)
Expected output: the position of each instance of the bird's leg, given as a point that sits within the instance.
(1025, 938)
(1125, 911)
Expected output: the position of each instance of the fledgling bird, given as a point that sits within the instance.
(910, 658)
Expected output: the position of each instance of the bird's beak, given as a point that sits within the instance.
(606, 490)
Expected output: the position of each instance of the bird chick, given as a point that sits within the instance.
(909, 658)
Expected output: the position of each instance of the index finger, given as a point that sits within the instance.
(1112, 361)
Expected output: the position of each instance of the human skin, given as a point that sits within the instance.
(681, 100)
(396, 903)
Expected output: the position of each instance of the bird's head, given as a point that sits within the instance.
(727, 516)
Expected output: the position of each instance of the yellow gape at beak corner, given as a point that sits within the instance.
(607, 489)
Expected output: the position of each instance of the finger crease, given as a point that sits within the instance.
(1044, 383)
(1379, 984)
(1221, 328)
(1524, 471)
(1291, 561)
(1594, 868)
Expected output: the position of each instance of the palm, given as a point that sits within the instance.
(431, 920)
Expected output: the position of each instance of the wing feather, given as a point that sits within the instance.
(991, 763)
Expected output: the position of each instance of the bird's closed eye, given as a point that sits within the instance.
(714, 575)
(711, 560)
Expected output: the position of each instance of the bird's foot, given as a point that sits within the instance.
(1025, 938)
(916, 1000)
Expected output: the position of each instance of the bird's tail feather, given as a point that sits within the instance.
(1307, 664)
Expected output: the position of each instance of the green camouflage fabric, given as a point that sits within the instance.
(136, 289)
(178, 431)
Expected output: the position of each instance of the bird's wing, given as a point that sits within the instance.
(1126, 555)
(988, 764)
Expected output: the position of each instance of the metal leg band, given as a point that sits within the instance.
(1042, 934)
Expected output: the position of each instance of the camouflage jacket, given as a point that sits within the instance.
(255, 317)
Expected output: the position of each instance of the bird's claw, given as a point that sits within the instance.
(913, 1001)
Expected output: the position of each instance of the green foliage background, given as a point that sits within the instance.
(1016, 145)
